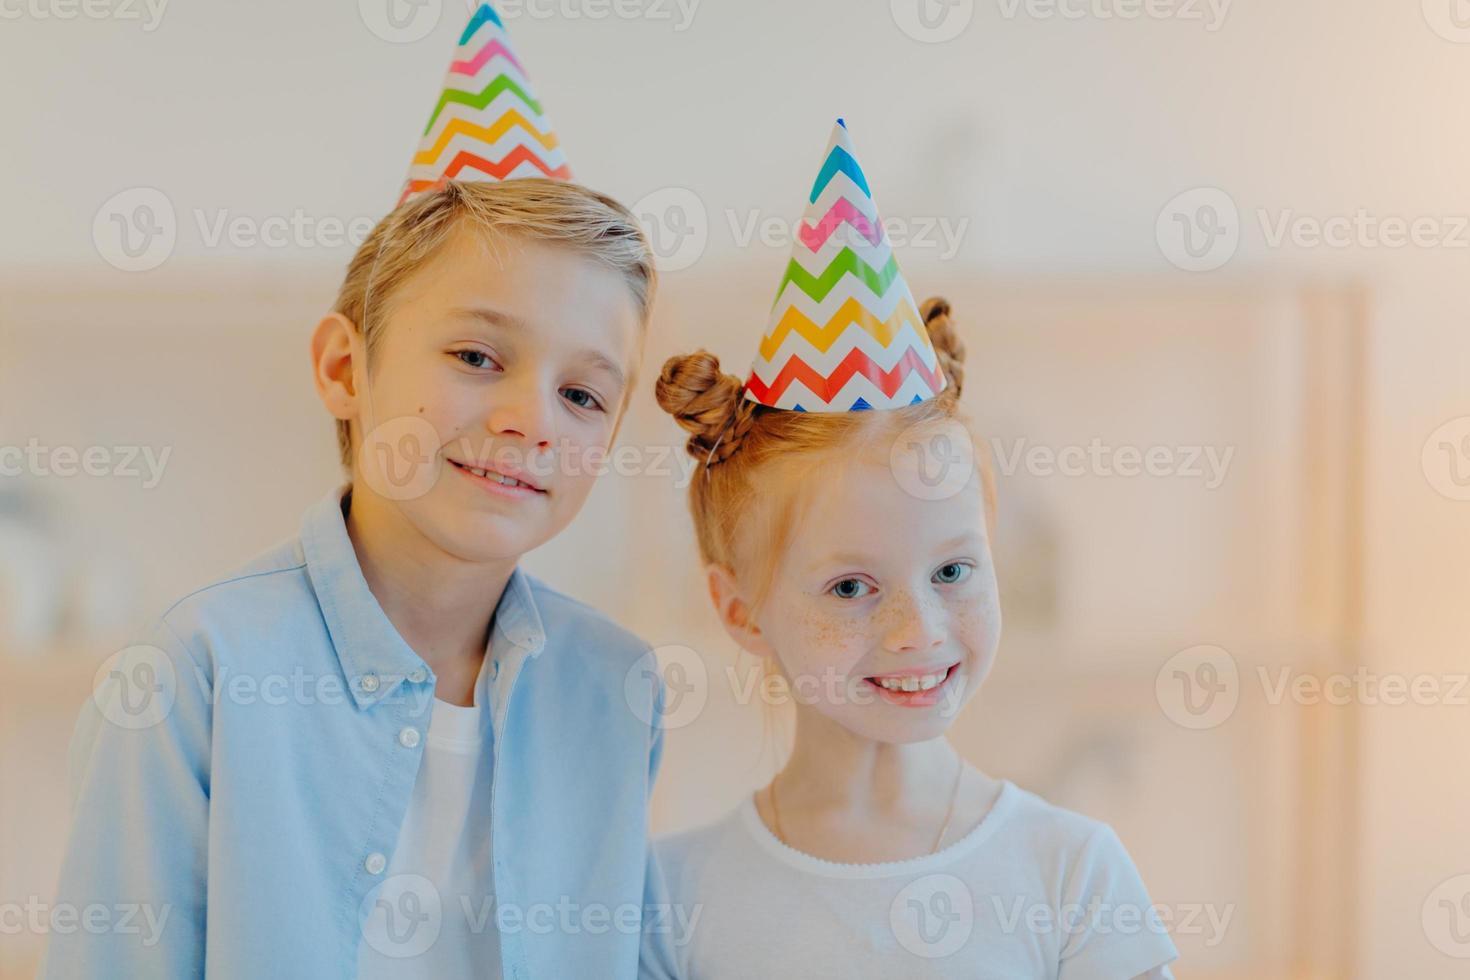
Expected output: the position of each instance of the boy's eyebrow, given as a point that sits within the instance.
(600, 360)
(496, 318)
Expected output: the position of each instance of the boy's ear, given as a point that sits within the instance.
(332, 362)
(735, 611)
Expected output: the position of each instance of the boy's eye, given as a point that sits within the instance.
(582, 398)
(850, 588)
(953, 573)
(475, 358)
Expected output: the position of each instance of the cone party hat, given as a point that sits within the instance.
(488, 124)
(845, 334)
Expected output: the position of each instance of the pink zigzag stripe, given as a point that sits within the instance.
(486, 53)
(843, 210)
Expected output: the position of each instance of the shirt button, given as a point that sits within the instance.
(495, 668)
(417, 676)
(375, 863)
(409, 737)
(368, 682)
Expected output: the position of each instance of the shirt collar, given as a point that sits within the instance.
(374, 656)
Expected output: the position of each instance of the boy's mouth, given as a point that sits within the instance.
(496, 479)
(918, 687)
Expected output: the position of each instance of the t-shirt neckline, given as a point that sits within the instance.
(750, 818)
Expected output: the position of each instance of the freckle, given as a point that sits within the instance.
(421, 409)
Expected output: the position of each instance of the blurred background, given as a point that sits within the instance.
(1209, 258)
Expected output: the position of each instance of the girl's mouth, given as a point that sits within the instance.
(918, 688)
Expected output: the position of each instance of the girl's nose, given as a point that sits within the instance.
(915, 624)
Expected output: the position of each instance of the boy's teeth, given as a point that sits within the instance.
(497, 477)
(923, 682)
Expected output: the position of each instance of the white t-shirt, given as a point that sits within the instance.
(1008, 901)
(432, 918)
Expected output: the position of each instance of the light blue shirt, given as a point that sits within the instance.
(239, 780)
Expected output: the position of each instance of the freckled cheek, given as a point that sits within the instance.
(977, 628)
(825, 642)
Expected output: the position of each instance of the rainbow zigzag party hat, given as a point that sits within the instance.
(845, 334)
(488, 125)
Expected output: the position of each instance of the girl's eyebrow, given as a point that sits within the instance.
(597, 359)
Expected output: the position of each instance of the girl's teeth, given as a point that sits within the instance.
(911, 683)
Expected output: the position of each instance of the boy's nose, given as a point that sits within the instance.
(525, 412)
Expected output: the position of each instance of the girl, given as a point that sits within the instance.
(838, 553)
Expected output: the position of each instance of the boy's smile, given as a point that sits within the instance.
(512, 357)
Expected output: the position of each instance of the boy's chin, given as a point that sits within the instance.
(485, 538)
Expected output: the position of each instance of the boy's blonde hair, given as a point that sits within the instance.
(552, 212)
(751, 448)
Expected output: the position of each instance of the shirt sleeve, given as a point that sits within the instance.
(130, 899)
(1112, 931)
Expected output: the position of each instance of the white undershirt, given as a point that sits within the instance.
(1001, 903)
(432, 918)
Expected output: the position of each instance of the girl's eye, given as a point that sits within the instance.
(953, 573)
(582, 398)
(850, 588)
(475, 358)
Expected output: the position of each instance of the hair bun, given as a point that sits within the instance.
(707, 403)
(946, 340)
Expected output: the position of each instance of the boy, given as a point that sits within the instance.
(381, 749)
